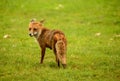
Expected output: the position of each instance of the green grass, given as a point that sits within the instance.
(89, 57)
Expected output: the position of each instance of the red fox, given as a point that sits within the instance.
(53, 39)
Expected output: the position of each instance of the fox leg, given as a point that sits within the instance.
(57, 60)
(42, 54)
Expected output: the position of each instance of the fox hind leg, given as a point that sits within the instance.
(56, 56)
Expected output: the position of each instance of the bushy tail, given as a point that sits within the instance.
(61, 52)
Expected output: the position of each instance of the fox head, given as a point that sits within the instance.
(35, 28)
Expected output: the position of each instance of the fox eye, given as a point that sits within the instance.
(29, 28)
(35, 29)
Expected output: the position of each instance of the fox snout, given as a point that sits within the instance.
(33, 34)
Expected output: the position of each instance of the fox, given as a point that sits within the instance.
(55, 40)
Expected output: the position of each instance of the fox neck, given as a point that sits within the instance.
(39, 33)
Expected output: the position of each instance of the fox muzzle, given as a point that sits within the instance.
(31, 35)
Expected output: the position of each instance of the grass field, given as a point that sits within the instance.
(92, 28)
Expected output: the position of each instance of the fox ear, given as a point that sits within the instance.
(33, 20)
(42, 21)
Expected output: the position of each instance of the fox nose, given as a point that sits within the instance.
(30, 34)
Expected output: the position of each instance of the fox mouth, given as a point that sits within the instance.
(31, 34)
(35, 34)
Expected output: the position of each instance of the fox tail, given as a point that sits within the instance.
(61, 52)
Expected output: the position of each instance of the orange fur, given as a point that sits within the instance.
(53, 39)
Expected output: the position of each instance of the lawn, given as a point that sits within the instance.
(92, 28)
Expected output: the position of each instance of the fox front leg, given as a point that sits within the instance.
(42, 55)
